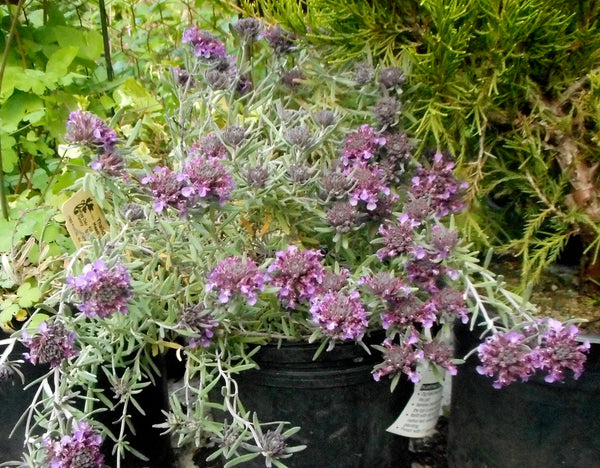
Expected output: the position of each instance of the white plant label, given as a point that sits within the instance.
(420, 415)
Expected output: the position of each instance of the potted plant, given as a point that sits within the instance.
(290, 208)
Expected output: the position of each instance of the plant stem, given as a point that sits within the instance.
(11, 33)
(110, 74)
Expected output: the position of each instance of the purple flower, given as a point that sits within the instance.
(234, 135)
(440, 354)
(299, 136)
(440, 186)
(336, 184)
(248, 28)
(81, 449)
(444, 240)
(397, 238)
(167, 189)
(102, 291)
(448, 304)
(402, 358)
(201, 322)
(426, 271)
(385, 286)
(86, 128)
(204, 43)
(391, 77)
(401, 312)
(386, 109)
(369, 188)
(52, 344)
(363, 73)
(560, 350)
(324, 117)
(340, 316)
(110, 163)
(506, 357)
(342, 216)
(183, 78)
(334, 282)
(206, 177)
(209, 146)
(234, 275)
(243, 85)
(280, 41)
(298, 274)
(418, 208)
(361, 145)
(256, 176)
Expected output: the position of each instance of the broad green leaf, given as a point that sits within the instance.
(6, 228)
(16, 108)
(8, 310)
(32, 80)
(60, 60)
(28, 294)
(131, 93)
(89, 41)
(9, 155)
(8, 82)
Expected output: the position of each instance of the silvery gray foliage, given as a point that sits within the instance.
(281, 212)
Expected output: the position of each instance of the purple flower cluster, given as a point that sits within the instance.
(449, 304)
(80, 449)
(340, 316)
(397, 238)
(51, 345)
(234, 275)
(206, 177)
(369, 188)
(560, 350)
(86, 128)
(198, 319)
(401, 312)
(279, 40)
(513, 355)
(440, 354)
(183, 78)
(426, 271)
(204, 43)
(440, 186)
(209, 146)
(507, 357)
(167, 188)
(110, 163)
(361, 146)
(443, 240)
(334, 282)
(385, 286)
(102, 291)
(298, 273)
(400, 358)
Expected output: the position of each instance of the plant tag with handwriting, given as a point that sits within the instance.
(83, 218)
(419, 417)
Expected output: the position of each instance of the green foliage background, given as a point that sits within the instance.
(55, 64)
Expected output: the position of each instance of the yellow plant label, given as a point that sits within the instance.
(83, 218)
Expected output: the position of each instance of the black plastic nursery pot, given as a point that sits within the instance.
(342, 411)
(524, 425)
(147, 439)
(14, 401)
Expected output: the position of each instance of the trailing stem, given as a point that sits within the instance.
(11, 34)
